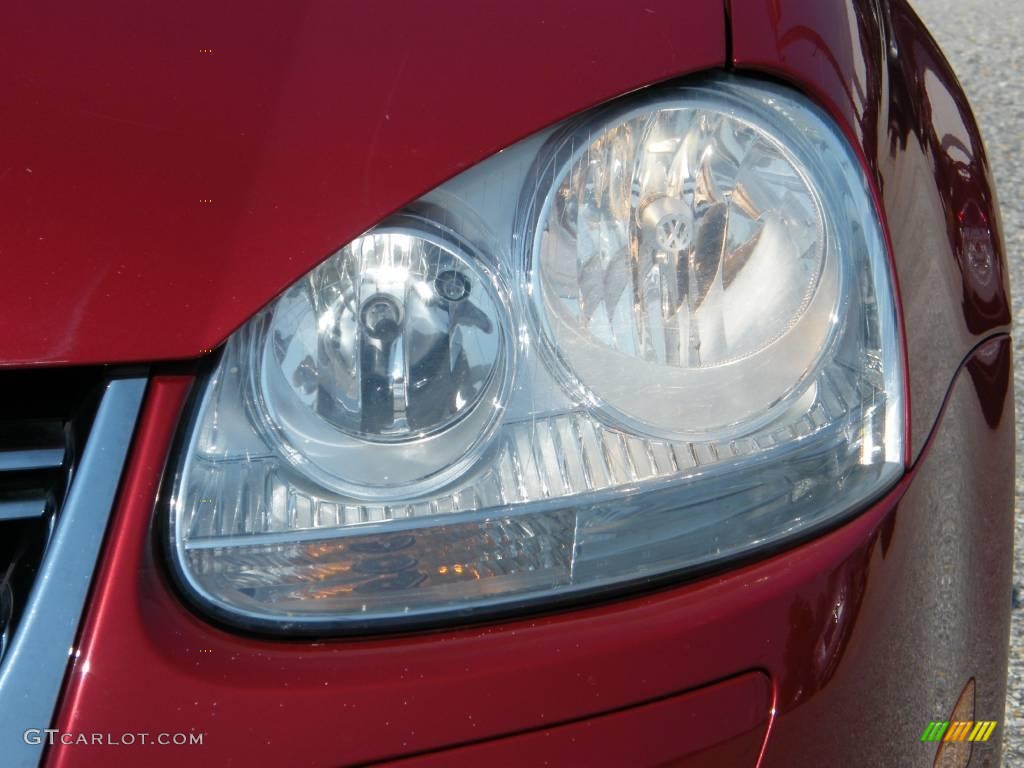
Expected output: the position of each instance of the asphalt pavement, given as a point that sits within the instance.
(984, 41)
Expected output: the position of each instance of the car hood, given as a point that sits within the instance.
(166, 169)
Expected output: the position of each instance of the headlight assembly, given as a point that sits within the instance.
(657, 337)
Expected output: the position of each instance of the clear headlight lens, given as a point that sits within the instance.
(387, 366)
(687, 246)
(657, 336)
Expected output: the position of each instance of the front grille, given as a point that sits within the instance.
(45, 417)
(57, 490)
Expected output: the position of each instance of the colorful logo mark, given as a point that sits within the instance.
(959, 730)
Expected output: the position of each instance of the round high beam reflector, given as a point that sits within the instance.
(685, 243)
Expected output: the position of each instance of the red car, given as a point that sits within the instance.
(499, 384)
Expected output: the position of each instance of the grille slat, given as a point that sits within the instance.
(22, 509)
(31, 459)
(32, 444)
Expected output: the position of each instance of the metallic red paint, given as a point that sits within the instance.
(875, 625)
(719, 725)
(155, 195)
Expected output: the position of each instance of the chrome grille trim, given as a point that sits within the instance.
(32, 672)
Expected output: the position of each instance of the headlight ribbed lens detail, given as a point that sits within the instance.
(657, 336)
(686, 244)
